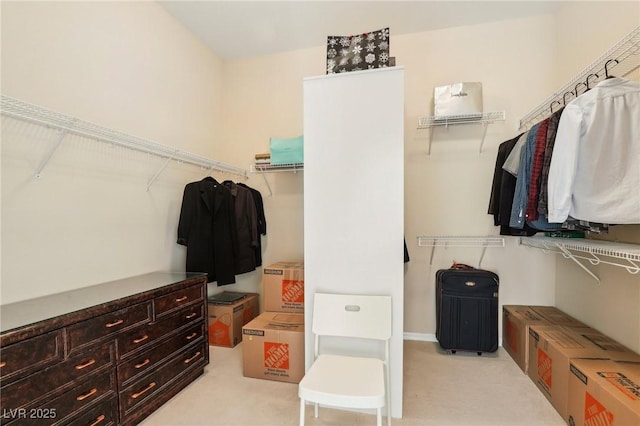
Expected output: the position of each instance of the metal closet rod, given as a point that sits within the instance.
(66, 124)
(627, 47)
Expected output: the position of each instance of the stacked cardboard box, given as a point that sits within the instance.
(273, 347)
(516, 320)
(283, 287)
(551, 348)
(226, 320)
(603, 392)
(558, 350)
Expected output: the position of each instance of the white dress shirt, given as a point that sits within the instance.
(595, 166)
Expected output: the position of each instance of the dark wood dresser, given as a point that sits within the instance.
(102, 355)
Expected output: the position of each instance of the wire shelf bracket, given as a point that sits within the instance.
(595, 252)
(273, 168)
(24, 111)
(451, 241)
(625, 56)
(485, 119)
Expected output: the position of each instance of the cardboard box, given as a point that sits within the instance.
(283, 287)
(551, 348)
(226, 320)
(273, 347)
(556, 316)
(612, 350)
(604, 392)
(516, 320)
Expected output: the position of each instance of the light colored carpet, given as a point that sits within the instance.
(439, 389)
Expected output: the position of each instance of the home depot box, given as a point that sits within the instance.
(551, 348)
(612, 350)
(283, 287)
(516, 320)
(226, 320)
(556, 316)
(604, 392)
(273, 347)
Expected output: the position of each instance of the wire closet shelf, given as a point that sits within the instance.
(269, 168)
(21, 110)
(623, 57)
(622, 255)
(460, 241)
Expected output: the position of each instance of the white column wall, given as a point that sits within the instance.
(354, 195)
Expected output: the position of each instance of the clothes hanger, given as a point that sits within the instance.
(606, 69)
(578, 85)
(551, 105)
(564, 97)
(587, 84)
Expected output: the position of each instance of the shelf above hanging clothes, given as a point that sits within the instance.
(460, 241)
(24, 111)
(484, 119)
(623, 57)
(622, 255)
(273, 168)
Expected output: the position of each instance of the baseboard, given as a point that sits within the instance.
(422, 337)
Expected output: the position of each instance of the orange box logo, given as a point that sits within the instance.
(595, 414)
(545, 367)
(276, 355)
(293, 291)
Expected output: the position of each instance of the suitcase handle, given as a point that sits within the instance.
(457, 265)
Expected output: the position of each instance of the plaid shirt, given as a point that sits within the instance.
(531, 212)
(552, 128)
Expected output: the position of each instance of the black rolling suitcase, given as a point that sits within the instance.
(467, 309)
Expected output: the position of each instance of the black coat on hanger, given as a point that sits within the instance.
(207, 228)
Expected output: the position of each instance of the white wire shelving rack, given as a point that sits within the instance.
(595, 252)
(460, 241)
(66, 125)
(484, 119)
(273, 168)
(620, 60)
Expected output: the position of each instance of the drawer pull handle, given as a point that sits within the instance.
(182, 299)
(143, 391)
(143, 363)
(2, 364)
(191, 315)
(99, 420)
(192, 335)
(86, 364)
(113, 324)
(141, 339)
(86, 395)
(188, 360)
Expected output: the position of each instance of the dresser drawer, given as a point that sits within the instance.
(63, 408)
(175, 300)
(103, 414)
(38, 385)
(141, 337)
(93, 329)
(30, 355)
(143, 390)
(152, 358)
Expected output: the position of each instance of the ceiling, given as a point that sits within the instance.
(238, 29)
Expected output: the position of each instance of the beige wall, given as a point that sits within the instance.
(613, 305)
(131, 67)
(128, 66)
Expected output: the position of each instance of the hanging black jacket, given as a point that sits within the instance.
(207, 227)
